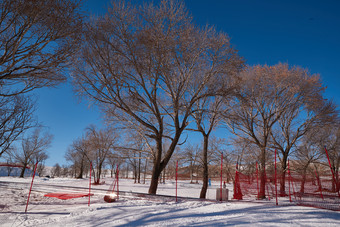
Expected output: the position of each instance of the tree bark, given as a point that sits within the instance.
(262, 194)
(22, 174)
(283, 176)
(205, 168)
(156, 172)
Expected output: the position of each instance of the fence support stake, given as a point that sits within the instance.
(29, 194)
(289, 182)
(276, 181)
(90, 184)
(176, 178)
(221, 176)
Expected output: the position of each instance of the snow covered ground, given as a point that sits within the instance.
(130, 210)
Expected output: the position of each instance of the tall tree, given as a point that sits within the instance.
(207, 115)
(190, 156)
(329, 136)
(141, 64)
(308, 152)
(266, 93)
(100, 143)
(76, 154)
(33, 149)
(306, 110)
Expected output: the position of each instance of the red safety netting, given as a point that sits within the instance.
(65, 196)
(307, 188)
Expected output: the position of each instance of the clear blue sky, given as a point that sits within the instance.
(297, 32)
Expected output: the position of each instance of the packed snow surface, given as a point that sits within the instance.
(132, 210)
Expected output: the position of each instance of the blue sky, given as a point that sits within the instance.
(300, 32)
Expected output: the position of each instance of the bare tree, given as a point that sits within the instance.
(33, 149)
(207, 115)
(307, 153)
(266, 93)
(191, 155)
(40, 158)
(15, 117)
(100, 142)
(141, 64)
(56, 170)
(329, 136)
(134, 152)
(76, 154)
(37, 39)
(307, 110)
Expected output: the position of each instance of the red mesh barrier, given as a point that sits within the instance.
(308, 188)
(66, 196)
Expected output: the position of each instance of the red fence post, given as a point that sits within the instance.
(117, 182)
(221, 176)
(176, 178)
(90, 184)
(29, 194)
(257, 180)
(276, 181)
(289, 181)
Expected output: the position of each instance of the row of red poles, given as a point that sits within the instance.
(290, 181)
(237, 191)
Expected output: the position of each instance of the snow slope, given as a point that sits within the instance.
(130, 210)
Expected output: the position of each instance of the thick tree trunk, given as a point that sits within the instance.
(156, 172)
(262, 194)
(164, 174)
(81, 172)
(205, 168)
(302, 187)
(283, 176)
(22, 174)
(158, 163)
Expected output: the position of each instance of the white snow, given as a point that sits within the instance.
(131, 210)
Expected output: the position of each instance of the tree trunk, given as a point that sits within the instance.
(302, 188)
(164, 173)
(23, 171)
(262, 194)
(135, 172)
(112, 170)
(81, 172)
(205, 168)
(99, 173)
(156, 172)
(158, 164)
(191, 173)
(139, 166)
(283, 176)
(146, 164)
